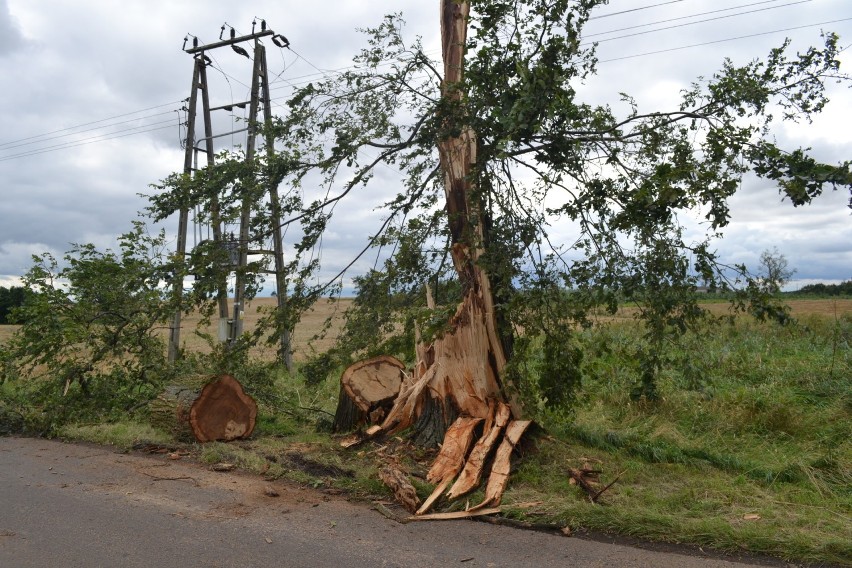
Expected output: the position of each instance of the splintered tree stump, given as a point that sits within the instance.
(368, 389)
(205, 409)
(458, 380)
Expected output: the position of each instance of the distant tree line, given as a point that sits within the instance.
(842, 289)
(11, 297)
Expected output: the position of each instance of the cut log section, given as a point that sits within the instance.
(367, 391)
(218, 410)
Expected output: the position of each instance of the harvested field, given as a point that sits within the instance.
(304, 341)
(313, 321)
(799, 308)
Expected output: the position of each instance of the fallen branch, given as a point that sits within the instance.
(610, 484)
(579, 477)
(381, 508)
(515, 523)
(176, 478)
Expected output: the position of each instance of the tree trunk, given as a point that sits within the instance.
(205, 409)
(460, 373)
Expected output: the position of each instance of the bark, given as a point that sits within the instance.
(402, 488)
(367, 391)
(217, 410)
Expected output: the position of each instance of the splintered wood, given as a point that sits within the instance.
(500, 470)
(472, 472)
(456, 381)
(451, 458)
(459, 373)
(402, 489)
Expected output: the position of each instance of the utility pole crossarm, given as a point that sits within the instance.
(229, 41)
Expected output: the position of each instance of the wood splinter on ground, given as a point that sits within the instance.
(402, 489)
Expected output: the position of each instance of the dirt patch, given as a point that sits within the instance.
(312, 467)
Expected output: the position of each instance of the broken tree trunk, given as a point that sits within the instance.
(205, 409)
(459, 374)
(367, 391)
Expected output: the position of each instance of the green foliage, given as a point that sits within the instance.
(842, 289)
(89, 344)
(10, 299)
(620, 180)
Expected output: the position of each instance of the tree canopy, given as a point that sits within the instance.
(544, 158)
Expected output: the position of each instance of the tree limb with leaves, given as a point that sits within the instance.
(537, 157)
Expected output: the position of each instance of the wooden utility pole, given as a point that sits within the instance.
(183, 216)
(231, 325)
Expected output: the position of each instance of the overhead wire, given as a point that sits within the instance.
(21, 144)
(294, 82)
(85, 143)
(750, 4)
(722, 40)
(634, 9)
(89, 123)
(695, 22)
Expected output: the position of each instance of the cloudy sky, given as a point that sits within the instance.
(90, 90)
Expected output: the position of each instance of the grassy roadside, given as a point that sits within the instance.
(749, 450)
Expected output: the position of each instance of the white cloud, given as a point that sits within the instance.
(69, 63)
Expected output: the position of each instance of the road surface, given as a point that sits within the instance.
(74, 505)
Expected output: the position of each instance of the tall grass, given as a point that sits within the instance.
(756, 420)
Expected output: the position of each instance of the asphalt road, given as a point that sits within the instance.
(75, 505)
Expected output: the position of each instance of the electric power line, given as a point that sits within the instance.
(294, 82)
(88, 123)
(722, 40)
(696, 22)
(667, 20)
(634, 10)
(7, 147)
(92, 140)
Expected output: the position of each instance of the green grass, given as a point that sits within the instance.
(766, 431)
(122, 435)
(761, 424)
